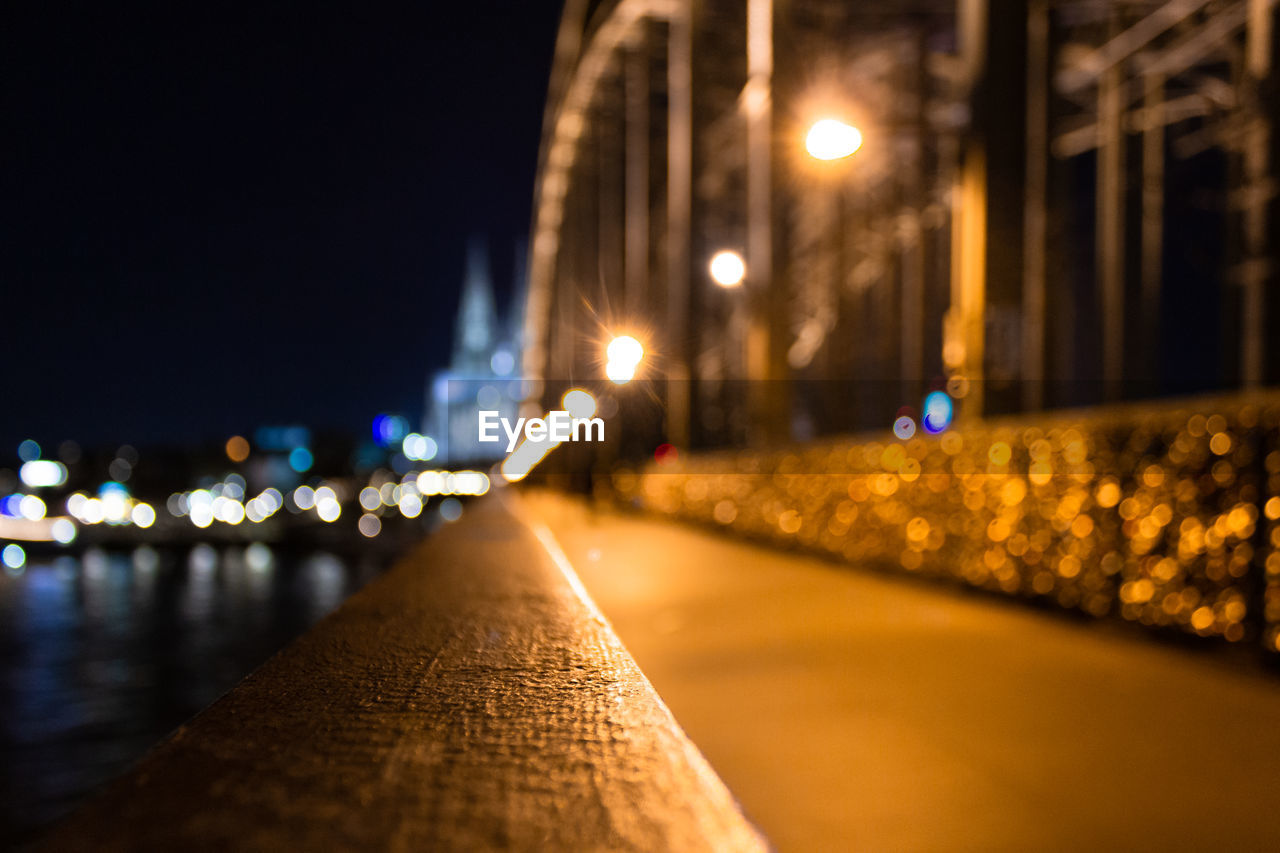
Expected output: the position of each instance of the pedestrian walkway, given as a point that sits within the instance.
(855, 711)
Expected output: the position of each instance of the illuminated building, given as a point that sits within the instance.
(483, 372)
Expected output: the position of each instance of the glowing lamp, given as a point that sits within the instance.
(830, 139)
(624, 354)
(727, 268)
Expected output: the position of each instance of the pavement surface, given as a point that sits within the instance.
(850, 710)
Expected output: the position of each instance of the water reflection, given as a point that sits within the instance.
(103, 655)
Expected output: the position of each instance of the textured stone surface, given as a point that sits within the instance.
(470, 699)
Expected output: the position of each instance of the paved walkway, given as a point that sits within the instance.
(849, 710)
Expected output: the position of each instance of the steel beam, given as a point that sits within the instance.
(1110, 227)
(679, 220)
(1035, 216)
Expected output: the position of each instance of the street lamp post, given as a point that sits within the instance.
(728, 270)
(829, 140)
(768, 400)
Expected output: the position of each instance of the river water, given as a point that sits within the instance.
(104, 653)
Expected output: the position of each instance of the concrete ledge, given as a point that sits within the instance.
(472, 698)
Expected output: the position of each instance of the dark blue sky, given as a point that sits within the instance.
(214, 216)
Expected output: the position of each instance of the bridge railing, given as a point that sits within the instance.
(472, 698)
(1162, 514)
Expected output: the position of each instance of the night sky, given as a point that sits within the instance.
(216, 216)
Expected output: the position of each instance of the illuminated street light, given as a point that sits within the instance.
(619, 373)
(624, 354)
(727, 268)
(830, 139)
(625, 349)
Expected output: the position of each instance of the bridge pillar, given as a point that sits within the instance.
(769, 399)
(1259, 272)
(679, 221)
(982, 328)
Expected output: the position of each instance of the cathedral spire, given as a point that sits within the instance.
(477, 320)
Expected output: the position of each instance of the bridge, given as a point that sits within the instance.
(941, 509)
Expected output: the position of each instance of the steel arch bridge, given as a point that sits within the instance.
(1057, 202)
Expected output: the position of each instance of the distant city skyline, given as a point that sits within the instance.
(218, 219)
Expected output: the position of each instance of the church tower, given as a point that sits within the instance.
(477, 329)
(481, 374)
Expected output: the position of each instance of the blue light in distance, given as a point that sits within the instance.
(389, 429)
(937, 412)
(301, 460)
(112, 487)
(502, 363)
(277, 439)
